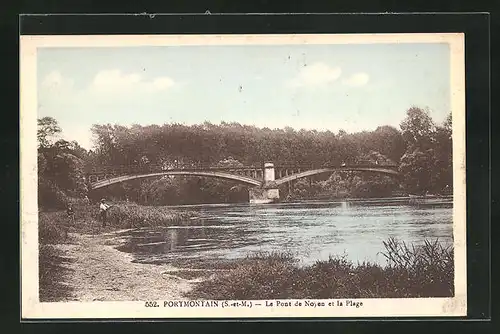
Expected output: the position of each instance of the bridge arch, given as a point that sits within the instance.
(214, 174)
(313, 172)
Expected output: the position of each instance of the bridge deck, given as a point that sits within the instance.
(257, 178)
(152, 169)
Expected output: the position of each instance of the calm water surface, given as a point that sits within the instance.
(310, 230)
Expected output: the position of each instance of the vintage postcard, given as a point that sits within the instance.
(222, 176)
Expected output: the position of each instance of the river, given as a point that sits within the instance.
(311, 230)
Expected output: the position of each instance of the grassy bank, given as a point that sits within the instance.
(53, 225)
(423, 271)
(54, 230)
(412, 271)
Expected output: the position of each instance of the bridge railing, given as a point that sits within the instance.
(152, 168)
(156, 168)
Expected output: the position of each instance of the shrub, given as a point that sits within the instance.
(416, 271)
(261, 274)
(52, 227)
(428, 267)
(50, 196)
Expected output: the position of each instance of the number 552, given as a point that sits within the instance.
(151, 304)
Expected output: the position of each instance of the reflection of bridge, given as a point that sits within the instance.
(264, 181)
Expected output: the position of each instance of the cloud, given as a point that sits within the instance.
(316, 74)
(82, 135)
(357, 80)
(54, 81)
(163, 83)
(115, 81)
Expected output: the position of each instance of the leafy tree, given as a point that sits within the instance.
(48, 129)
(417, 169)
(232, 144)
(443, 156)
(427, 164)
(388, 141)
(60, 166)
(417, 129)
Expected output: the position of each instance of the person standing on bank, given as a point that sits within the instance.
(103, 211)
(71, 217)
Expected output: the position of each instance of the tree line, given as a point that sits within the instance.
(420, 147)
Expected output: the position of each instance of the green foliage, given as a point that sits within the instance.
(47, 130)
(52, 227)
(389, 142)
(417, 170)
(422, 148)
(210, 144)
(416, 271)
(417, 129)
(342, 184)
(427, 164)
(49, 195)
(133, 215)
(61, 167)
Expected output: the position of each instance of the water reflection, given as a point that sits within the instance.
(312, 231)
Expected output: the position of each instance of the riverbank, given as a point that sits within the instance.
(93, 270)
(412, 272)
(79, 261)
(88, 266)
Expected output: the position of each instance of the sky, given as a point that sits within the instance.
(353, 87)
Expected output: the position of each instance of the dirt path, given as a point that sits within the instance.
(100, 272)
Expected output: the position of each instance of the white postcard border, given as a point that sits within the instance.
(33, 309)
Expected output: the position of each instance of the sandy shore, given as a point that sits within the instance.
(99, 272)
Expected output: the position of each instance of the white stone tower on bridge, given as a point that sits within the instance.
(269, 192)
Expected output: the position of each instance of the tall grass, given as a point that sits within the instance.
(134, 215)
(52, 275)
(416, 271)
(53, 226)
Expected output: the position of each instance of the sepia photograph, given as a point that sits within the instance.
(243, 176)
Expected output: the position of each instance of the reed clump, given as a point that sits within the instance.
(54, 226)
(412, 271)
(134, 216)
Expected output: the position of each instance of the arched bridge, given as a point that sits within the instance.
(263, 180)
(216, 174)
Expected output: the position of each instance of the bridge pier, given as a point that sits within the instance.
(267, 193)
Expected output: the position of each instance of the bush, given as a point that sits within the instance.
(424, 271)
(52, 227)
(429, 266)
(50, 196)
(262, 274)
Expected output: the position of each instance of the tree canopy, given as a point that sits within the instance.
(421, 148)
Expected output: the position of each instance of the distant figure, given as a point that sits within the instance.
(86, 200)
(103, 211)
(70, 213)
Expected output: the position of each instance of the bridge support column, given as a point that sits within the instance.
(268, 172)
(266, 194)
(262, 196)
